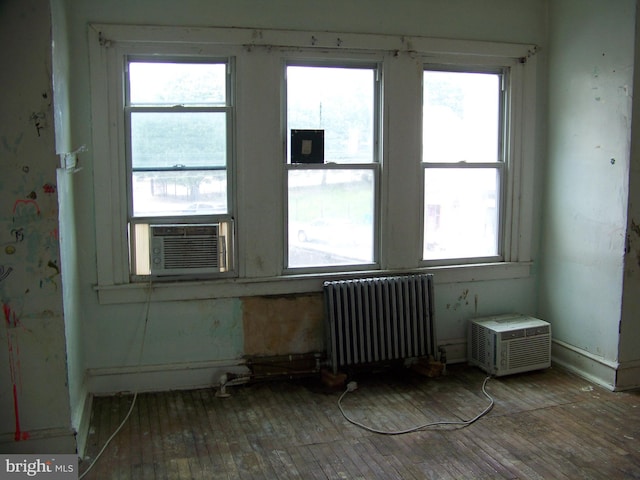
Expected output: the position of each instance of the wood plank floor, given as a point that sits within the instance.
(544, 425)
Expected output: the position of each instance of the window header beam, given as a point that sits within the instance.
(270, 38)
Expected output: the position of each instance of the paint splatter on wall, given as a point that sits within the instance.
(32, 335)
(29, 272)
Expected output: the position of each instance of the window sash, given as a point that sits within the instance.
(502, 135)
(501, 166)
(500, 170)
(373, 166)
(362, 264)
(375, 68)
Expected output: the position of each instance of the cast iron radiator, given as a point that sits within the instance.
(380, 319)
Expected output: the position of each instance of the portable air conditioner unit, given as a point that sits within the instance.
(507, 344)
(184, 249)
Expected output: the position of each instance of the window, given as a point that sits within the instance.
(269, 150)
(332, 116)
(178, 124)
(463, 164)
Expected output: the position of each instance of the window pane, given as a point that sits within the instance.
(192, 192)
(330, 217)
(461, 117)
(339, 101)
(461, 212)
(165, 139)
(154, 83)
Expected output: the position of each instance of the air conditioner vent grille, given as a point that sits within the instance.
(188, 249)
(190, 252)
(529, 351)
(478, 343)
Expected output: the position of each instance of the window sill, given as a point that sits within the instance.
(291, 284)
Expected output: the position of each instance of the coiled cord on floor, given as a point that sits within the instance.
(462, 423)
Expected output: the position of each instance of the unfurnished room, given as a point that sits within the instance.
(323, 239)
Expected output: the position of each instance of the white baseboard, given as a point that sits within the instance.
(587, 365)
(82, 420)
(158, 378)
(44, 441)
(628, 376)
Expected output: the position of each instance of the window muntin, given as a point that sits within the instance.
(331, 207)
(463, 165)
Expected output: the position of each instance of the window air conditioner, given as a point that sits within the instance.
(507, 344)
(187, 249)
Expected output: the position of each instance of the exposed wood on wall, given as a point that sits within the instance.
(281, 325)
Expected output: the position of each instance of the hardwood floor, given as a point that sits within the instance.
(544, 425)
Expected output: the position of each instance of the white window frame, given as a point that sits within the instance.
(504, 164)
(111, 140)
(338, 61)
(401, 137)
(218, 218)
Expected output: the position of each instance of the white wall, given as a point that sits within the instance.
(34, 398)
(629, 356)
(585, 214)
(67, 219)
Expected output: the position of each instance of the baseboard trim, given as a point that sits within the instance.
(628, 376)
(158, 378)
(82, 422)
(596, 369)
(45, 441)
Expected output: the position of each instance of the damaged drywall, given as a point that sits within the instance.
(279, 325)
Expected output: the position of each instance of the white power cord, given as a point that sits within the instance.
(135, 394)
(351, 386)
(106, 444)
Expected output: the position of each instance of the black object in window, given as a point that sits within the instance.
(307, 146)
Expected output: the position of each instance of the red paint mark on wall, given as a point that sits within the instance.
(21, 201)
(10, 317)
(11, 322)
(16, 411)
(49, 188)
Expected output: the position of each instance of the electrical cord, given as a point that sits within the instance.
(352, 386)
(135, 394)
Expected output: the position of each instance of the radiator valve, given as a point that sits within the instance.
(222, 392)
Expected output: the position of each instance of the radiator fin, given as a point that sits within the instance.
(379, 319)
